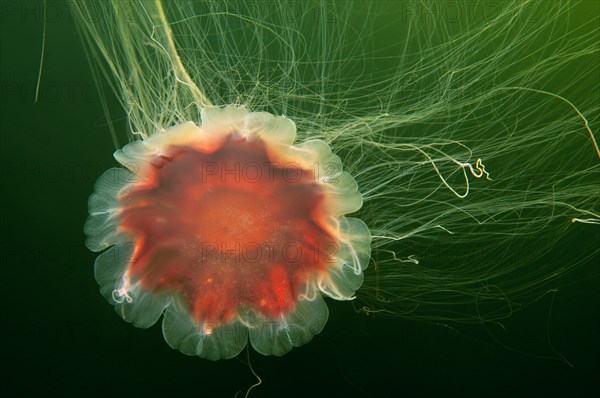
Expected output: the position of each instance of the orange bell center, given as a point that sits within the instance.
(227, 230)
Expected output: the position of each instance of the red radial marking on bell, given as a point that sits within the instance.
(227, 230)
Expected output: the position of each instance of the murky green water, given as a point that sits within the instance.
(63, 339)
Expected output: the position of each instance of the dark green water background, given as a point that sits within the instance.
(61, 338)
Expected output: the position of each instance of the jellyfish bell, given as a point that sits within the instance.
(231, 230)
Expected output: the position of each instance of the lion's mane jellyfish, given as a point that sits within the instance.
(230, 230)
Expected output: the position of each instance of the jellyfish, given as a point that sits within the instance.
(415, 158)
